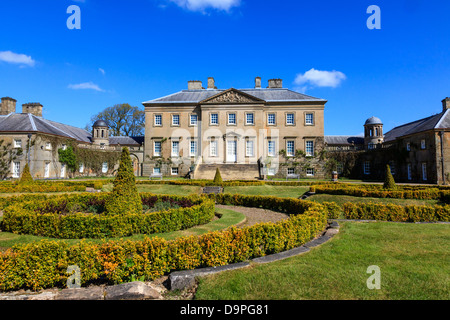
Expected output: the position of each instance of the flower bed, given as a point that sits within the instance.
(44, 264)
(84, 216)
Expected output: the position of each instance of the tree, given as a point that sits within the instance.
(218, 177)
(389, 182)
(26, 177)
(123, 120)
(124, 198)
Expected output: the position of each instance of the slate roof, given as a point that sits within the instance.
(268, 95)
(373, 120)
(438, 121)
(126, 141)
(344, 140)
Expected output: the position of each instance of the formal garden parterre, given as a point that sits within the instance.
(43, 264)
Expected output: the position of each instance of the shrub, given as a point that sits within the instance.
(124, 198)
(217, 178)
(26, 177)
(389, 182)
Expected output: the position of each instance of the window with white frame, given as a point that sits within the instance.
(174, 171)
(105, 167)
(271, 148)
(47, 170)
(290, 119)
(424, 171)
(408, 146)
(291, 171)
(193, 119)
(63, 170)
(392, 167)
(17, 143)
(48, 146)
(232, 118)
(157, 170)
(271, 119)
(175, 119)
(158, 120)
(81, 168)
(175, 148)
(16, 169)
(366, 167)
(309, 172)
(309, 149)
(423, 144)
(309, 118)
(193, 148)
(271, 171)
(213, 150)
(64, 147)
(290, 148)
(409, 171)
(214, 118)
(157, 148)
(249, 118)
(249, 148)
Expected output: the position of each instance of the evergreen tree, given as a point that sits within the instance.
(26, 177)
(389, 182)
(218, 178)
(124, 198)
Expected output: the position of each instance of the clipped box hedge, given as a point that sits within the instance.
(62, 217)
(43, 264)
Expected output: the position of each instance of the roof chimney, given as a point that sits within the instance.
(33, 108)
(8, 106)
(275, 83)
(195, 85)
(211, 84)
(258, 83)
(446, 104)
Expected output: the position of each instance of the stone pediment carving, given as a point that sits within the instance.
(231, 96)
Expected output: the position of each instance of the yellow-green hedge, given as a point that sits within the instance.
(52, 217)
(43, 264)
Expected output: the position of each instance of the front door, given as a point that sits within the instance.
(231, 150)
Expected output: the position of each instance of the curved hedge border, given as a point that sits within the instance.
(48, 217)
(49, 186)
(43, 264)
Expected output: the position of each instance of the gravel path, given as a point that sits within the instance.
(256, 215)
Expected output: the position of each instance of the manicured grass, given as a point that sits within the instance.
(267, 190)
(341, 199)
(413, 259)
(162, 189)
(227, 219)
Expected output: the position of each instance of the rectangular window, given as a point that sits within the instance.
(310, 172)
(158, 120)
(271, 171)
(175, 119)
(408, 146)
(271, 120)
(193, 148)
(214, 118)
(309, 148)
(157, 170)
(193, 119)
(48, 146)
(366, 167)
(174, 171)
(232, 118)
(392, 167)
(47, 170)
(213, 151)
(16, 169)
(157, 149)
(409, 169)
(249, 149)
(424, 171)
(249, 118)
(81, 168)
(309, 119)
(290, 120)
(17, 143)
(63, 171)
(175, 148)
(64, 147)
(423, 144)
(105, 167)
(290, 148)
(271, 148)
(291, 171)
(102, 146)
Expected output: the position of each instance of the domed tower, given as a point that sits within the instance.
(100, 133)
(373, 133)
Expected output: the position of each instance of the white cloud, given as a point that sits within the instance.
(318, 78)
(201, 5)
(85, 86)
(16, 58)
(102, 71)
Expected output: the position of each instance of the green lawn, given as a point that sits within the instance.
(267, 190)
(341, 199)
(413, 258)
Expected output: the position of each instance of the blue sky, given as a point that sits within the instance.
(134, 51)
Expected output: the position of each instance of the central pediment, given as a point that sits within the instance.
(232, 96)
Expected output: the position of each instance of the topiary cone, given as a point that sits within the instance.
(218, 177)
(389, 182)
(26, 177)
(124, 198)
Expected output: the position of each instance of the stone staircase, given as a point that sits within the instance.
(227, 171)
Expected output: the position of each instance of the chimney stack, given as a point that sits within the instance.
(195, 85)
(275, 83)
(33, 108)
(258, 83)
(8, 105)
(211, 83)
(446, 104)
